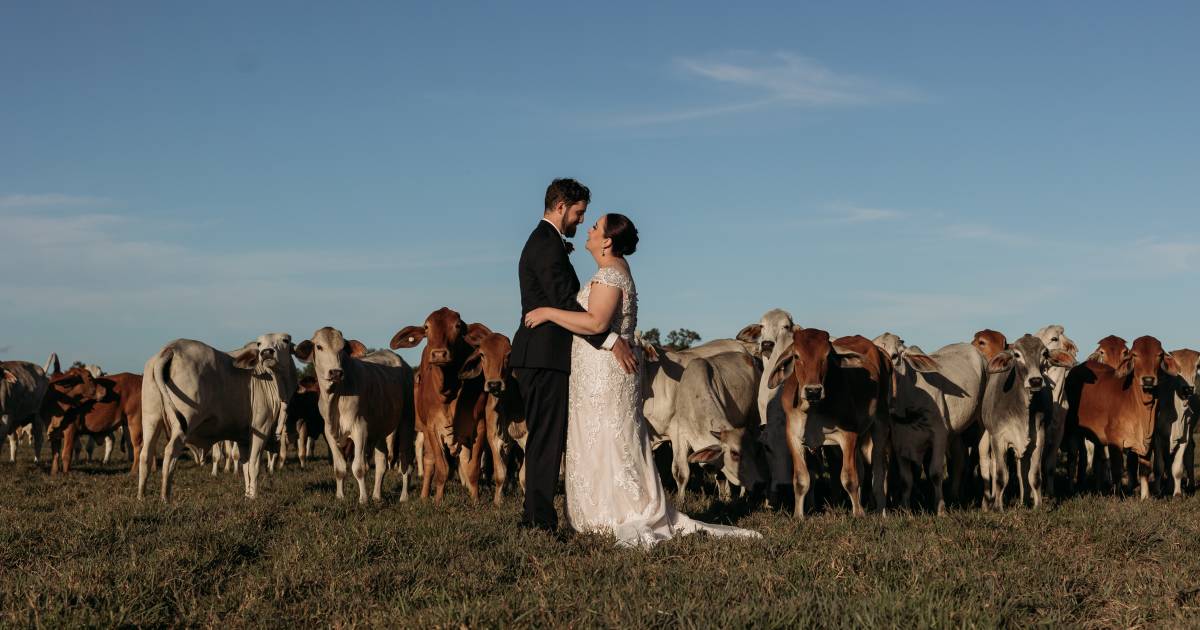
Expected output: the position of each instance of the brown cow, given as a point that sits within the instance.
(118, 404)
(445, 404)
(836, 393)
(1117, 407)
(505, 410)
(68, 396)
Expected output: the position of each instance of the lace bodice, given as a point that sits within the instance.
(624, 322)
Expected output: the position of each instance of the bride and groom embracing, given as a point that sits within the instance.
(574, 359)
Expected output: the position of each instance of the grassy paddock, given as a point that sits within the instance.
(84, 552)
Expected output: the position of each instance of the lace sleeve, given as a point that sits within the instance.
(613, 278)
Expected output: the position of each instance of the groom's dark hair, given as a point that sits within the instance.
(567, 191)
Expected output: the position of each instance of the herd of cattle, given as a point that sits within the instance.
(757, 410)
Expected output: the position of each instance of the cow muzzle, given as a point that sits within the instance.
(439, 356)
(495, 388)
(814, 393)
(767, 348)
(267, 357)
(1036, 383)
(1149, 382)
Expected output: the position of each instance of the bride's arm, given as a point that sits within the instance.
(602, 305)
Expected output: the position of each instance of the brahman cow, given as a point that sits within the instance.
(662, 372)
(22, 387)
(1017, 408)
(1118, 408)
(68, 396)
(937, 397)
(1054, 338)
(201, 396)
(772, 334)
(445, 404)
(717, 398)
(837, 393)
(504, 411)
(365, 399)
(1175, 423)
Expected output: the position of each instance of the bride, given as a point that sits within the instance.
(612, 484)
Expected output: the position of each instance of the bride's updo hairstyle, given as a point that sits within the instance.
(621, 230)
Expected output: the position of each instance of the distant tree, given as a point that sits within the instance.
(77, 364)
(308, 370)
(681, 339)
(652, 337)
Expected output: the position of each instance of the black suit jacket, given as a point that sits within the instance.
(547, 279)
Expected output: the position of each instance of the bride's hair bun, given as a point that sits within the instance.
(621, 230)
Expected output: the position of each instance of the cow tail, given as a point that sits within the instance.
(162, 375)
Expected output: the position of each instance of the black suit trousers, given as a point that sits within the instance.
(546, 394)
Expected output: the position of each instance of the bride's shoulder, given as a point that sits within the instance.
(614, 275)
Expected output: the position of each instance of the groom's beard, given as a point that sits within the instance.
(569, 231)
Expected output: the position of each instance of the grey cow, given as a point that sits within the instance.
(1017, 407)
(22, 387)
(936, 396)
(717, 399)
(201, 396)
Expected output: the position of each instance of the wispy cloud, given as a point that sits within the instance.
(843, 213)
(984, 232)
(47, 200)
(1174, 256)
(781, 79)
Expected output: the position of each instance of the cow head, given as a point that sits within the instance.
(330, 353)
(772, 331)
(270, 357)
(448, 342)
(808, 361)
(1109, 351)
(1145, 361)
(490, 359)
(1030, 358)
(1054, 338)
(1189, 370)
(989, 342)
(68, 392)
(904, 357)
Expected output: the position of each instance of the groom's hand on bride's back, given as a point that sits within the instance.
(624, 356)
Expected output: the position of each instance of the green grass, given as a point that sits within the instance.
(82, 551)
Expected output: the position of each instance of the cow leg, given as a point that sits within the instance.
(1143, 476)
(957, 454)
(1189, 460)
(1177, 463)
(800, 476)
(251, 463)
(904, 468)
(302, 443)
(475, 465)
(68, 447)
(679, 469)
(874, 453)
(216, 458)
(56, 448)
(39, 435)
(999, 457)
(937, 469)
(499, 468)
(986, 472)
(850, 480)
(339, 463)
(381, 466)
(151, 424)
(171, 455)
(359, 466)
(419, 448)
(12, 449)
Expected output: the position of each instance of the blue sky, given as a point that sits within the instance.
(218, 170)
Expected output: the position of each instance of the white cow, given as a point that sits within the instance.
(936, 396)
(1174, 424)
(1054, 338)
(201, 396)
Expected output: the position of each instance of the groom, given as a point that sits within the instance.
(541, 357)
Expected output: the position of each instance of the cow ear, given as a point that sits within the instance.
(1062, 358)
(783, 370)
(649, 350)
(1169, 364)
(1069, 347)
(750, 334)
(1000, 363)
(472, 367)
(408, 337)
(476, 333)
(1125, 366)
(8, 376)
(355, 348)
(1097, 356)
(246, 357)
(707, 455)
(920, 361)
(303, 352)
(849, 359)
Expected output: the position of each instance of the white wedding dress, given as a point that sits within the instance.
(612, 484)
